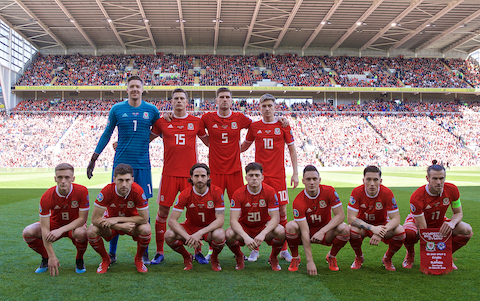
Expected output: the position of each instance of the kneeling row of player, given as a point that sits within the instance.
(121, 208)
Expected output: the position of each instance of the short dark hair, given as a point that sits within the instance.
(180, 90)
(254, 166)
(134, 77)
(310, 168)
(372, 168)
(266, 97)
(64, 166)
(122, 169)
(435, 167)
(199, 165)
(223, 89)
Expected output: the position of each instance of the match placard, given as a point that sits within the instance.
(435, 252)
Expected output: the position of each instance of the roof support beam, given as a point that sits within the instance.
(397, 20)
(322, 23)
(460, 42)
(40, 23)
(449, 31)
(110, 22)
(147, 23)
(287, 24)
(20, 33)
(362, 19)
(451, 5)
(79, 28)
(182, 28)
(252, 24)
(217, 26)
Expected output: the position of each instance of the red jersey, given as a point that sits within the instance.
(63, 210)
(373, 210)
(200, 208)
(117, 205)
(254, 208)
(180, 143)
(316, 210)
(270, 139)
(224, 133)
(433, 207)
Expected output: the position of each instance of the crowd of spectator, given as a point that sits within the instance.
(237, 70)
(349, 135)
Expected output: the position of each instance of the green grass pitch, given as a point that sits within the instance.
(20, 194)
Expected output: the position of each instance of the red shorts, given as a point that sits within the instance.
(169, 188)
(252, 232)
(68, 234)
(231, 182)
(116, 232)
(192, 229)
(410, 219)
(280, 186)
(298, 241)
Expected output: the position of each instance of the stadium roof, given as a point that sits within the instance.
(332, 27)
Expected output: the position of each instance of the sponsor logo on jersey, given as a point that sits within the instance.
(309, 210)
(234, 125)
(296, 213)
(215, 126)
(378, 206)
(224, 126)
(190, 126)
(262, 203)
(268, 131)
(74, 204)
(135, 113)
(210, 204)
(100, 197)
(446, 201)
(352, 200)
(412, 208)
(259, 131)
(145, 115)
(56, 207)
(323, 204)
(192, 205)
(277, 131)
(430, 246)
(130, 204)
(180, 127)
(40, 208)
(248, 205)
(125, 115)
(170, 126)
(428, 207)
(441, 246)
(232, 203)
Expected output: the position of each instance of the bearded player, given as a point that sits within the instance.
(428, 205)
(204, 218)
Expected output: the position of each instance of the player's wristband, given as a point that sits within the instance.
(456, 204)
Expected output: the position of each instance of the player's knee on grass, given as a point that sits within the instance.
(462, 228)
(32, 230)
(169, 236)
(343, 229)
(218, 234)
(80, 232)
(93, 231)
(279, 232)
(144, 229)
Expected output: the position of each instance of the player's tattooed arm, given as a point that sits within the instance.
(361, 224)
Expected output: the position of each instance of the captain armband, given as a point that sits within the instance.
(456, 204)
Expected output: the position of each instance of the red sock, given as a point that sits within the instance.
(395, 244)
(283, 222)
(36, 244)
(217, 247)
(99, 247)
(160, 228)
(356, 240)
(142, 245)
(235, 248)
(177, 246)
(276, 246)
(459, 241)
(81, 245)
(411, 239)
(293, 241)
(338, 243)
